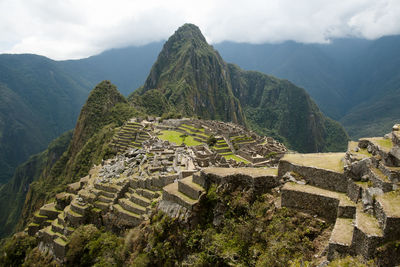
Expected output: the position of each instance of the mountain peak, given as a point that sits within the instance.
(192, 76)
(188, 37)
(188, 31)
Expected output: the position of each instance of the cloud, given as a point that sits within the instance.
(64, 29)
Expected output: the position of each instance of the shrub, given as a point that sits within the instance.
(15, 249)
(211, 141)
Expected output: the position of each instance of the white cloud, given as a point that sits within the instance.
(63, 29)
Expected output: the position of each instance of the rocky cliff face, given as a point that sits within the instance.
(194, 78)
(273, 106)
(191, 78)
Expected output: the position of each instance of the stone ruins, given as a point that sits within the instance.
(356, 191)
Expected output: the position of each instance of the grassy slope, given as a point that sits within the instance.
(177, 138)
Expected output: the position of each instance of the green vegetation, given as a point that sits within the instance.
(270, 106)
(92, 247)
(38, 102)
(104, 110)
(188, 90)
(234, 157)
(247, 233)
(351, 262)
(153, 102)
(386, 252)
(211, 141)
(14, 249)
(329, 161)
(385, 143)
(178, 138)
(279, 109)
(15, 190)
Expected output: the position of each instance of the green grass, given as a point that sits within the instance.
(175, 137)
(241, 138)
(386, 143)
(192, 127)
(193, 131)
(361, 151)
(236, 158)
(329, 161)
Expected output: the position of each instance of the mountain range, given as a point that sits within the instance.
(354, 81)
(189, 78)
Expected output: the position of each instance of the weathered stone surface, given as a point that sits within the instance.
(130, 206)
(260, 180)
(79, 208)
(50, 211)
(63, 199)
(140, 200)
(330, 179)
(341, 239)
(369, 195)
(172, 194)
(395, 153)
(393, 173)
(310, 199)
(74, 218)
(174, 210)
(39, 219)
(33, 228)
(354, 190)
(386, 207)
(380, 180)
(74, 188)
(367, 235)
(60, 248)
(189, 188)
(358, 168)
(125, 218)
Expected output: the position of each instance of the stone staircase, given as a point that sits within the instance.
(197, 132)
(222, 147)
(358, 192)
(185, 192)
(43, 217)
(127, 203)
(127, 135)
(183, 196)
(241, 140)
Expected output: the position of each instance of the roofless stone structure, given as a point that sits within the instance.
(170, 165)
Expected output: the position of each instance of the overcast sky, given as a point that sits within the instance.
(66, 29)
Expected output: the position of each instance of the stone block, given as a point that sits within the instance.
(308, 199)
(341, 239)
(171, 193)
(387, 211)
(323, 178)
(354, 190)
(187, 187)
(367, 235)
(259, 179)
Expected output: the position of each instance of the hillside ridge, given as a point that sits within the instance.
(190, 78)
